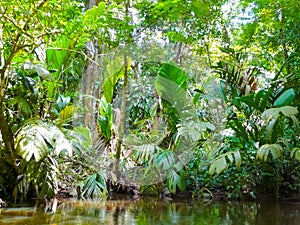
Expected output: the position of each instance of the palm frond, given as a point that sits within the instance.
(95, 185)
(37, 139)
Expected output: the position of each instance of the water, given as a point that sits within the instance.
(142, 211)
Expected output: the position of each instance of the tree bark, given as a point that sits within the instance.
(120, 133)
(7, 136)
(91, 84)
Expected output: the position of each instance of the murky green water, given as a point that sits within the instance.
(153, 211)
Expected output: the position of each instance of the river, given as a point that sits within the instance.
(147, 210)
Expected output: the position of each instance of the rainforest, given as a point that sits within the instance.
(149, 98)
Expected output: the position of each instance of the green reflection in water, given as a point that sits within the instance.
(152, 211)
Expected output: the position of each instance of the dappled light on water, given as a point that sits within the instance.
(148, 210)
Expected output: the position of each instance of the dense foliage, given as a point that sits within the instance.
(149, 97)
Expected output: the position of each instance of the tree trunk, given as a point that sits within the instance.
(91, 84)
(120, 133)
(7, 136)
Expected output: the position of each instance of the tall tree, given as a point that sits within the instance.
(91, 82)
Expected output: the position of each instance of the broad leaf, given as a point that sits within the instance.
(218, 166)
(171, 85)
(220, 163)
(296, 153)
(113, 72)
(275, 150)
(62, 101)
(38, 139)
(285, 98)
(56, 57)
(272, 113)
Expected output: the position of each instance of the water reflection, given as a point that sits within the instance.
(153, 211)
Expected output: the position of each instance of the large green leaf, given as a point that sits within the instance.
(220, 163)
(171, 85)
(218, 166)
(22, 103)
(57, 56)
(296, 153)
(164, 160)
(65, 116)
(81, 139)
(175, 74)
(105, 119)
(285, 98)
(288, 111)
(37, 139)
(275, 150)
(114, 70)
(63, 101)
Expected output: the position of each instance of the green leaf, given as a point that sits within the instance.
(65, 115)
(38, 139)
(175, 180)
(62, 101)
(22, 103)
(30, 142)
(175, 74)
(104, 126)
(171, 92)
(171, 85)
(113, 72)
(94, 185)
(164, 160)
(275, 150)
(153, 110)
(56, 58)
(288, 111)
(81, 139)
(237, 158)
(285, 98)
(270, 114)
(105, 119)
(272, 136)
(261, 99)
(220, 164)
(296, 153)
